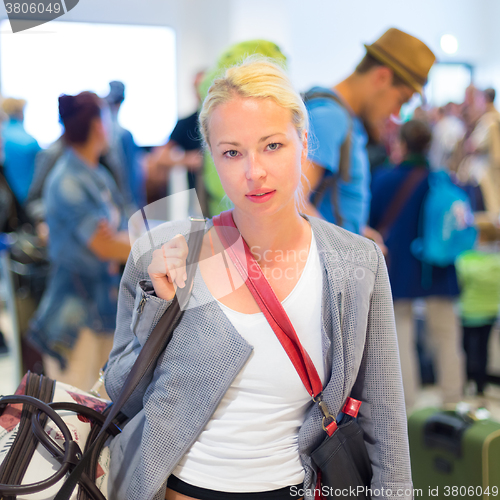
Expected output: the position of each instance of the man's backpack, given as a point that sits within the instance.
(329, 183)
(446, 223)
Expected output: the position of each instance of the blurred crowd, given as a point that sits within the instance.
(462, 140)
(465, 141)
(67, 206)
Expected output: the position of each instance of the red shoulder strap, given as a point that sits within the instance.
(266, 299)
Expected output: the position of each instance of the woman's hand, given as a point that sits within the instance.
(108, 244)
(375, 236)
(168, 267)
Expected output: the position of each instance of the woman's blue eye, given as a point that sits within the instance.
(273, 146)
(232, 153)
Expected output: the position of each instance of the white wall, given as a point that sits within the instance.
(201, 27)
(323, 39)
(488, 70)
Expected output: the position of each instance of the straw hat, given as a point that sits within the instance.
(406, 55)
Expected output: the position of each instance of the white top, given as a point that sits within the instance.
(251, 443)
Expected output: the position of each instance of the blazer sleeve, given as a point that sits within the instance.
(379, 385)
(139, 310)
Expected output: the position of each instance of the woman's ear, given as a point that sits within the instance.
(95, 128)
(304, 145)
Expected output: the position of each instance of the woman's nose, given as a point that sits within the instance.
(254, 168)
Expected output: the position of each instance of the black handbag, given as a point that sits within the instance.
(37, 406)
(341, 459)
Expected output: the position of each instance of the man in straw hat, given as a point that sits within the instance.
(394, 68)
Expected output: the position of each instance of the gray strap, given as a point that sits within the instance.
(330, 182)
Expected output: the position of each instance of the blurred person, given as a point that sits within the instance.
(216, 199)
(8, 203)
(463, 163)
(473, 107)
(446, 133)
(393, 142)
(423, 114)
(114, 161)
(484, 145)
(20, 149)
(397, 198)
(74, 323)
(45, 161)
(6, 209)
(338, 177)
(183, 148)
(478, 273)
(376, 149)
(125, 151)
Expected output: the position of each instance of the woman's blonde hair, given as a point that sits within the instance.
(258, 77)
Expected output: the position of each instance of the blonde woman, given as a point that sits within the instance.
(225, 415)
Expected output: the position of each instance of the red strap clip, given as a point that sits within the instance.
(351, 407)
(331, 428)
(318, 494)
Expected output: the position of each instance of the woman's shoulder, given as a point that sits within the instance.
(340, 245)
(62, 183)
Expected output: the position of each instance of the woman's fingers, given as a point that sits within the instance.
(167, 269)
(178, 250)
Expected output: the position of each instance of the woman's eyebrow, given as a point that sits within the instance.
(262, 139)
(228, 142)
(271, 135)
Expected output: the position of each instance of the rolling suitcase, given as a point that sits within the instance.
(454, 455)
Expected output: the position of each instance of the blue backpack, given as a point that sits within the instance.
(446, 223)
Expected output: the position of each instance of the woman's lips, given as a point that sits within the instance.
(261, 198)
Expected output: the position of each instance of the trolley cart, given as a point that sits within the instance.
(7, 295)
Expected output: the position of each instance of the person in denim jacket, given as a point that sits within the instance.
(224, 415)
(74, 323)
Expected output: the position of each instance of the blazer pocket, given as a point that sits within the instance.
(138, 303)
(148, 309)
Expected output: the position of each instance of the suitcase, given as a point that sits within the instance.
(454, 455)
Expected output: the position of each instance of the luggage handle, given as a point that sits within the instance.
(71, 448)
(444, 431)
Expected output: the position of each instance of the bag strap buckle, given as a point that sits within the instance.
(329, 423)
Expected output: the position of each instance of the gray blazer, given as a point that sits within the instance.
(172, 406)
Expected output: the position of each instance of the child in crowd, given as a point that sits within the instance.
(479, 277)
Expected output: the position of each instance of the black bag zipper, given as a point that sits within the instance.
(8, 469)
(19, 456)
(45, 394)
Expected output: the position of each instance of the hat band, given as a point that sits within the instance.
(415, 76)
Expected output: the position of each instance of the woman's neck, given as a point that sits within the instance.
(272, 234)
(88, 153)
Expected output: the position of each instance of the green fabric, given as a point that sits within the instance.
(479, 278)
(233, 55)
(414, 160)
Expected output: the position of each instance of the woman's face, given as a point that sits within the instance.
(257, 153)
